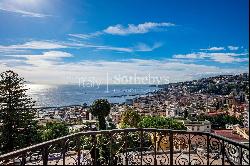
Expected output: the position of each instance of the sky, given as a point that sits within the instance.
(125, 41)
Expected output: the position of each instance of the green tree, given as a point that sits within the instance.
(129, 118)
(186, 114)
(100, 109)
(220, 121)
(161, 123)
(54, 130)
(16, 114)
(111, 125)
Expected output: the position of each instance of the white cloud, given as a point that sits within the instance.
(140, 47)
(189, 56)
(121, 30)
(36, 45)
(50, 45)
(223, 58)
(120, 49)
(46, 59)
(11, 8)
(217, 57)
(213, 49)
(233, 48)
(146, 48)
(135, 29)
(40, 45)
(48, 68)
(86, 36)
(7, 50)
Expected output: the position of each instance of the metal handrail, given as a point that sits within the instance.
(127, 130)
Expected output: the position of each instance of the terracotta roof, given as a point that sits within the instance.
(215, 113)
(229, 134)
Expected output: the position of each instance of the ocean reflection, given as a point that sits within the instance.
(38, 88)
(62, 95)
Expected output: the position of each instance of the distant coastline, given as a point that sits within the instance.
(68, 95)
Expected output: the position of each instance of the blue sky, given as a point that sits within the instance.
(61, 41)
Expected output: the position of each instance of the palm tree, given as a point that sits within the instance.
(100, 109)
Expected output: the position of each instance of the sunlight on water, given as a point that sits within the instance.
(38, 88)
(61, 95)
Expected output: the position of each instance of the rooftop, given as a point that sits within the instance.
(231, 135)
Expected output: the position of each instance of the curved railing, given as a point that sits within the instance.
(133, 147)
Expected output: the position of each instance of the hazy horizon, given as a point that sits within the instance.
(105, 84)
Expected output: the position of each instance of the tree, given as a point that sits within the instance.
(129, 118)
(161, 123)
(100, 109)
(16, 114)
(186, 113)
(111, 125)
(220, 121)
(54, 130)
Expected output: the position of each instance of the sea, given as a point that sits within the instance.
(65, 95)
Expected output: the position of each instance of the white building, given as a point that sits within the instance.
(172, 110)
(202, 126)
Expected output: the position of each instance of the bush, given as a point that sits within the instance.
(54, 130)
(160, 122)
(130, 119)
(220, 121)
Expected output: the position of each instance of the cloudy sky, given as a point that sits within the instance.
(60, 41)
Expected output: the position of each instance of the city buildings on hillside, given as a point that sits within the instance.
(210, 96)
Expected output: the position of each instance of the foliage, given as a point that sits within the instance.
(54, 130)
(16, 114)
(185, 113)
(220, 121)
(100, 109)
(130, 118)
(161, 123)
(111, 126)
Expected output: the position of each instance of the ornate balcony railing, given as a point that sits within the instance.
(133, 147)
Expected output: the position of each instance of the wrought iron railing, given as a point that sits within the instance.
(133, 146)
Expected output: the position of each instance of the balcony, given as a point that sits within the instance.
(133, 147)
